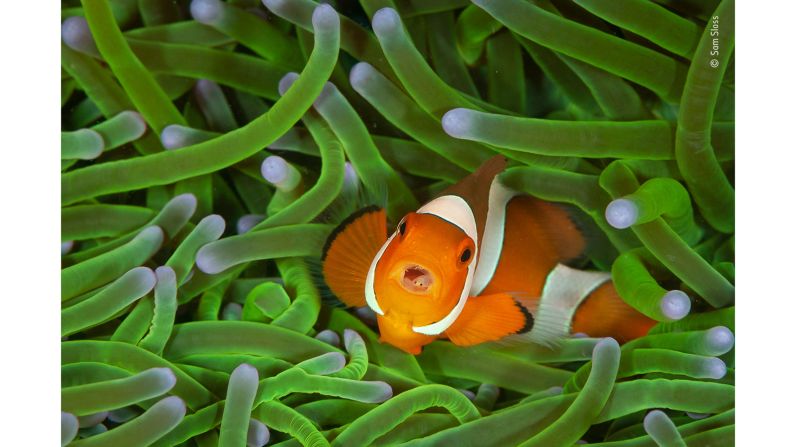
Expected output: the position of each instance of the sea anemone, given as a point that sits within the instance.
(209, 148)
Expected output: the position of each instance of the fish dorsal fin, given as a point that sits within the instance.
(350, 250)
(561, 230)
(474, 189)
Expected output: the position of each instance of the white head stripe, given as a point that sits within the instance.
(455, 210)
(564, 291)
(370, 292)
(494, 232)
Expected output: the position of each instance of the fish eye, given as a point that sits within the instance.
(465, 255)
(402, 227)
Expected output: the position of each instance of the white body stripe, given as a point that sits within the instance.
(494, 233)
(564, 291)
(370, 292)
(455, 210)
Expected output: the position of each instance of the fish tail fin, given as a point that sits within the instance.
(349, 251)
(604, 314)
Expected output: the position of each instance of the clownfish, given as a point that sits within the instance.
(478, 263)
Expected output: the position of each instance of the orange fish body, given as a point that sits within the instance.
(476, 264)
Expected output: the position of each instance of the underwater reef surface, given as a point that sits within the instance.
(209, 148)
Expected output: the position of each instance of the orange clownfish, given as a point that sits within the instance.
(477, 263)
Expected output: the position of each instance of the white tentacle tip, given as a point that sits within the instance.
(621, 213)
(328, 336)
(207, 261)
(458, 123)
(336, 362)
(208, 12)
(153, 235)
(98, 143)
(384, 392)
(675, 304)
(286, 82)
(173, 136)
(325, 17)
(173, 405)
(73, 27)
(66, 247)
(138, 122)
(328, 90)
(185, 201)
(655, 421)
(360, 74)
(245, 373)
(385, 20)
(720, 339)
(274, 5)
(143, 278)
(247, 222)
(92, 143)
(76, 34)
(166, 275)
(714, 368)
(258, 434)
(214, 225)
(275, 169)
(606, 346)
(165, 378)
(69, 427)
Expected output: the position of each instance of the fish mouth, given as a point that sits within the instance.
(416, 279)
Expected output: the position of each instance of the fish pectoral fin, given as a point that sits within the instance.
(349, 251)
(489, 318)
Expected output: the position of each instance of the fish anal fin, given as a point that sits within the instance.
(489, 318)
(349, 251)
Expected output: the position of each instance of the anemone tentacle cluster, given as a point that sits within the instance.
(210, 147)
